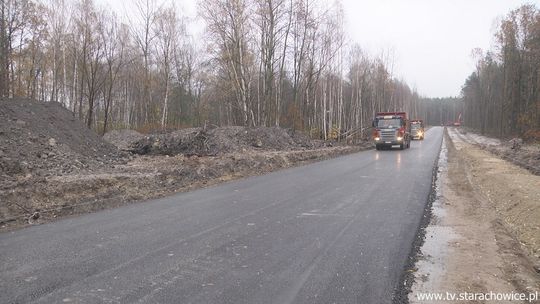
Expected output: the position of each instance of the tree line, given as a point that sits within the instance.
(501, 97)
(260, 63)
(443, 111)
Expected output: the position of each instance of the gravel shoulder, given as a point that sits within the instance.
(484, 234)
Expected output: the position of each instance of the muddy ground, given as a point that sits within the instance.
(523, 154)
(52, 166)
(484, 234)
(141, 178)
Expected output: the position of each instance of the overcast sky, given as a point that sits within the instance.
(431, 40)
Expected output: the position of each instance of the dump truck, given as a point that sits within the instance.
(391, 129)
(417, 129)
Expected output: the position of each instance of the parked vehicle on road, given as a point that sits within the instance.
(391, 129)
(417, 129)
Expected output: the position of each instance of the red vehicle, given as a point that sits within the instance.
(391, 129)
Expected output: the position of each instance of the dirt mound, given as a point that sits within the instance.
(524, 155)
(142, 177)
(43, 138)
(122, 139)
(216, 141)
(520, 152)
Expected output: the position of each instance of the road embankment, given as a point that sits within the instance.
(484, 232)
(33, 200)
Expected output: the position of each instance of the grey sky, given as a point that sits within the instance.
(430, 40)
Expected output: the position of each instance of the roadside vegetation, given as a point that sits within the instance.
(283, 63)
(502, 97)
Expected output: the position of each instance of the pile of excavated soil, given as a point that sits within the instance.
(216, 141)
(43, 138)
(143, 177)
(526, 155)
(122, 139)
(52, 166)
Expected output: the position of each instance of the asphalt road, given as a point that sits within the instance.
(337, 231)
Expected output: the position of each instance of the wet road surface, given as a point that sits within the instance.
(333, 231)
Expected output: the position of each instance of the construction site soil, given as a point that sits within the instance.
(525, 155)
(43, 139)
(212, 141)
(52, 165)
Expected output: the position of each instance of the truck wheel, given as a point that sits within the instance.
(378, 147)
(401, 147)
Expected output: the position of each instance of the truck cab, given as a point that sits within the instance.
(417, 129)
(391, 129)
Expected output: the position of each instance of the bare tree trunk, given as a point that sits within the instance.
(3, 51)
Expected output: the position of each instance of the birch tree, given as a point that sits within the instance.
(228, 26)
(166, 33)
(144, 36)
(115, 40)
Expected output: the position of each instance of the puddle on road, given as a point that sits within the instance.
(431, 264)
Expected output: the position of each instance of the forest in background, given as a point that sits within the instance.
(282, 63)
(501, 97)
(261, 63)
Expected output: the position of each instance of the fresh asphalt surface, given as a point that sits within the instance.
(336, 231)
